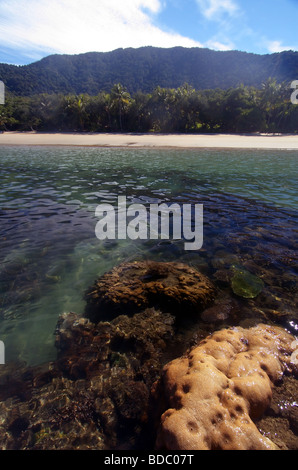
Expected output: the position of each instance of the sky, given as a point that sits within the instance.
(33, 29)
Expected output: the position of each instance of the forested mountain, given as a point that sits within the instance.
(146, 68)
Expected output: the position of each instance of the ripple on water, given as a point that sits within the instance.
(50, 256)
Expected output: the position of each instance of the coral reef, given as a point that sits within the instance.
(96, 395)
(280, 422)
(131, 287)
(216, 392)
(104, 390)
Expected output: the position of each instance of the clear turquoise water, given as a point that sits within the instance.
(49, 254)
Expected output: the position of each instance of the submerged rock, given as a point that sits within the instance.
(215, 393)
(86, 349)
(131, 287)
(280, 422)
(96, 395)
(220, 311)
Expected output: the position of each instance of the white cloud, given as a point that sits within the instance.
(226, 13)
(220, 46)
(76, 26)
(213, 9)
(276, 46)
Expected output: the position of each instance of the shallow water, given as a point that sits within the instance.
(50, 255)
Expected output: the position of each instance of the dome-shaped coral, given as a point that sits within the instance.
(216, 392)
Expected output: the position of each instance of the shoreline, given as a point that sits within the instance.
(132, 140)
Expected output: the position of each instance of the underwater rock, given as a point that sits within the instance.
(59, 415)
(280, 422)
(96, 395)
(86, 349)
(220, 311)
(245, 284)
(223, 259)
(167, 249)
(132, 287)
(215, 392)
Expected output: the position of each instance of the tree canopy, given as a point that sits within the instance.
(183, 109)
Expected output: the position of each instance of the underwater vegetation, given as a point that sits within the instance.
(246, 284)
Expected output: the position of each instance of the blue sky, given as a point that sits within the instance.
(32, 29)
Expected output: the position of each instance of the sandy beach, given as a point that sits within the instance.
(260, 141)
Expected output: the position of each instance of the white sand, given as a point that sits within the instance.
(259, 141)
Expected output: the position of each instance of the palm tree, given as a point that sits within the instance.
(120, 100)
(270, 99)
(75, 110)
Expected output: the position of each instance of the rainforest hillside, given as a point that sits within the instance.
(146, 68)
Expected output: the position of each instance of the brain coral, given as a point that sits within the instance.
(225, 383)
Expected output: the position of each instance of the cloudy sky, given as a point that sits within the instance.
(32, 29)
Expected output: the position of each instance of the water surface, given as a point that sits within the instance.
(49, 254)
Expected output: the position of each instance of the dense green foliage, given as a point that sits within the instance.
(146, 68)
(183, 109)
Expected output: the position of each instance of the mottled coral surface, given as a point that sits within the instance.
(221, 387)
(131, 287)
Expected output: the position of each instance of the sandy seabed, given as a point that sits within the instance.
(258, 141)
